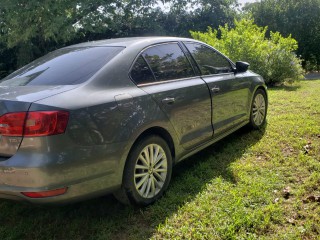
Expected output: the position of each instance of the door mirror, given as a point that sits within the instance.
(242, 66)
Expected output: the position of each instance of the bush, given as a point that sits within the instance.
(273, 58)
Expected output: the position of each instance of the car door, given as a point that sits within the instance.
(164, 72)
(229, 92)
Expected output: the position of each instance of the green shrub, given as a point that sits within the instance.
(273, 57)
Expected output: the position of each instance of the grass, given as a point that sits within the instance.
(253, 184)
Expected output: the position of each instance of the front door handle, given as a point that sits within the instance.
(168, 101)
(215, 89)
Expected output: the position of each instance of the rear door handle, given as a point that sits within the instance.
(215, 89)
(168, 101)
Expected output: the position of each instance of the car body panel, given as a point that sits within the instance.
(189, 111)
(229, 103)
(19, 99)
(109, 113)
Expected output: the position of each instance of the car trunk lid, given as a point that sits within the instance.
(31, 93)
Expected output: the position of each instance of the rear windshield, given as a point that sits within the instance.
(67, 66)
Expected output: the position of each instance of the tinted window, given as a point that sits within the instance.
(66, 66)
(167, 62)
(141, 72)
(209, 61)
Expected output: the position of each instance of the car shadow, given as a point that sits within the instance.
(288, 88)
(312, 76)
(105, 218)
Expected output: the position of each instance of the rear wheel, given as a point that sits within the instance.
(147, 172)
(258, 109)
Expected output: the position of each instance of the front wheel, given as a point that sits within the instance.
(147, 172)
(258, 109)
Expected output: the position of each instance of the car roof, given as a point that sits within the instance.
(126, 42)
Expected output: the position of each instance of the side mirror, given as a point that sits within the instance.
(242, 66)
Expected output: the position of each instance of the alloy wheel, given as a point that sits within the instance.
(150, 171)
(259, 109)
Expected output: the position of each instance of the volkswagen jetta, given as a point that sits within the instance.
(114, 116)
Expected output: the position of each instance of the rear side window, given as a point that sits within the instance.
(167, 61)
(66, 66)
(209, 61)
(141, 72)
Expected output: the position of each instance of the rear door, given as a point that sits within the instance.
(230, 93)
(166, 73)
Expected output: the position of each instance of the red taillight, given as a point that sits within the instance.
(11, 124)
(44, 194)
(34, 124)
(46, 123)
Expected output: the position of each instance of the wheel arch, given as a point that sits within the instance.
(161, 132)
(263, 88)
(154, 130)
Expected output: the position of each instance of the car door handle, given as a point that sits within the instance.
(168, 101)
(215, 89)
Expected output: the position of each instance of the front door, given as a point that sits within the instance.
(229, 93)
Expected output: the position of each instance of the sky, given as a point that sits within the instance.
(246, 1)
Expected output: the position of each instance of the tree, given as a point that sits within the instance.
(199, 14)
(300, 18)
(31, 28)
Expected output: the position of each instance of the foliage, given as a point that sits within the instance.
(235, 189)
(31, 28)
(299, 18)
(273, 57)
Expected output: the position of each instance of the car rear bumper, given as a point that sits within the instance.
(76, 192)
(85, 172)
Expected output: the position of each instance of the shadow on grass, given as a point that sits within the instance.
(312, 76)
(105, 218)
(288, 88)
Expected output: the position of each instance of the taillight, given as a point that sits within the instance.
(11, 124)
(46, 123)
(50, 193)
(34, 124)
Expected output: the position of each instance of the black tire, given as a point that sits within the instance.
(131, 192)
(256, 119)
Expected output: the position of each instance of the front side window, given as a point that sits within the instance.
(167, 61)
(209, 61)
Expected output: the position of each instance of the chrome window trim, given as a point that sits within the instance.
(218, 74)
(167, 81)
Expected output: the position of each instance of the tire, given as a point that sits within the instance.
(258, 111)
(145, 179)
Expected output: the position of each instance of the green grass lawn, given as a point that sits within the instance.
(253, 184)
